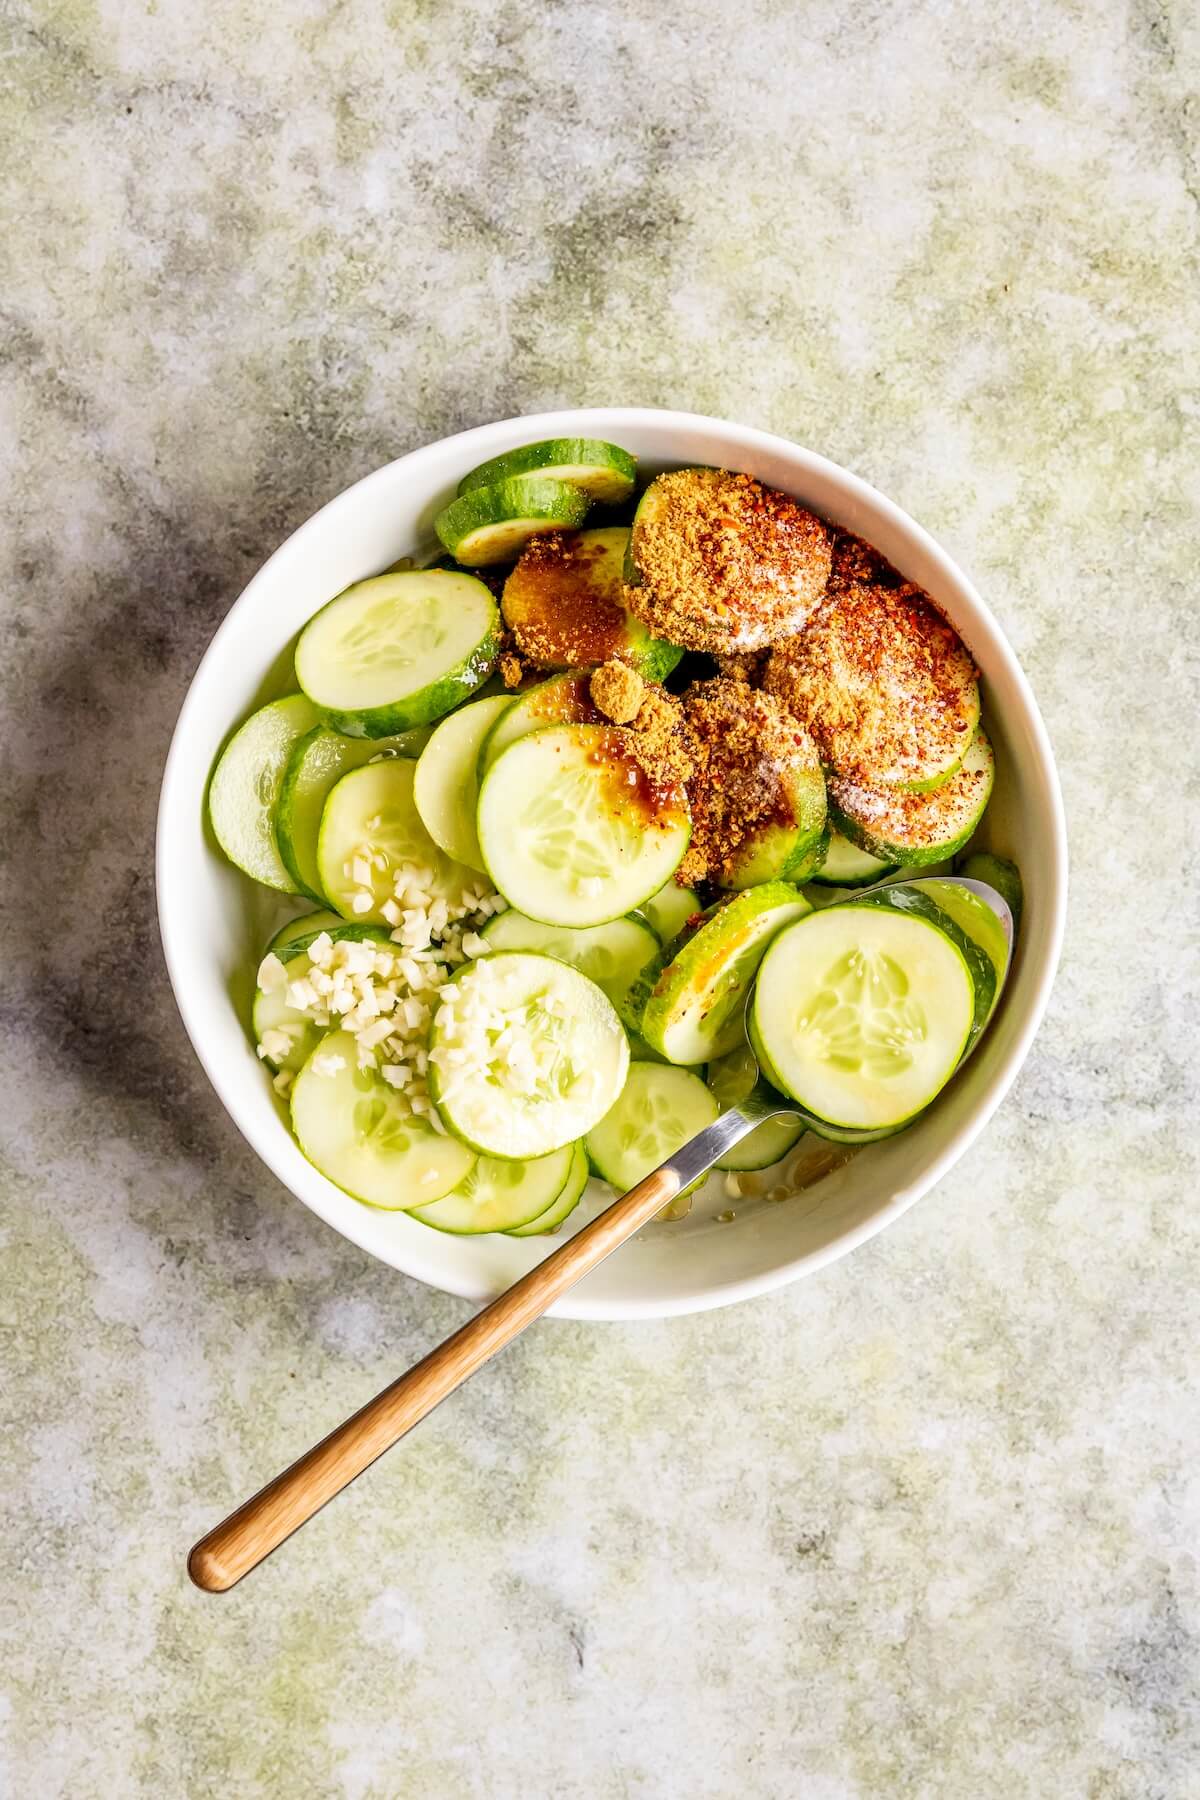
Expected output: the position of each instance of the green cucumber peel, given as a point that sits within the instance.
(697, 988)
(320, 758)
(604, 472)
(914, 830)
(493, 524)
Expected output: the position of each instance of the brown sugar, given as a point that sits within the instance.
(745, 750)
(725, 564)
(661, 740)
(617, 691)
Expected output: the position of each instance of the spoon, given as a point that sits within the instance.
(239, 1543)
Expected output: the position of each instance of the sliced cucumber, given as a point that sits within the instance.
(572, 1193)
(563, 700)
(861, 1013)
(244, 789)
(640, 1051)
(571, 830)
(371, 828)
(659, 1110)
(974, 917)
(399, 651)
(564, 605)
(446, 787)
(670, 909)
(611, 955)
(916, 829)
(885, 685)
(731, 1079)
(320, 758)
(845, 865)
(604, 471)
(526, 1054)
(1004, 876)
(695, 995)
(806, 857)
(271, 1012)
(974, 938)
(493, 524)
(355, 1129)
(500, 1196)
(307, 925)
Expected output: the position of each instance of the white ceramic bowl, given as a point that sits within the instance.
(214, 921)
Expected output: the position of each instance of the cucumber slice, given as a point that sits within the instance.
(639, 1049)
(354, 1128)
(1004, 876)
(371, 827)
(611, 955)
(563, 700)
(670, 909)
(604, 471)
(493, 524)
(270, 1012)
(500, 1196)
(307, 925)
(974, 918)
(807, 857)
(398, 651)
(861, 1013)
(916, 829)
(446, 788)
(244, 790)
(571, 830)
(526, 1055)
(320, 758)
(572, 1193)
(885, 685)
(845, 865)
(731, 1078)
(695, 995)
(974, 938)
(659, 1110)
(564, 605)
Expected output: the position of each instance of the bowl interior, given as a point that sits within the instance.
(214, 921)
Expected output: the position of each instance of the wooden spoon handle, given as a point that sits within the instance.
(242, 1540)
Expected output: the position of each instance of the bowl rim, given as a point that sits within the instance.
(478, 443)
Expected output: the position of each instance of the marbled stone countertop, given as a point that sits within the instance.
(925, 1525)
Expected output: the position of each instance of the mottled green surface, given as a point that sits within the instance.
(925, 1525)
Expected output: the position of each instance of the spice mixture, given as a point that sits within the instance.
(725, 564)
(867, 639)
(744, 747)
